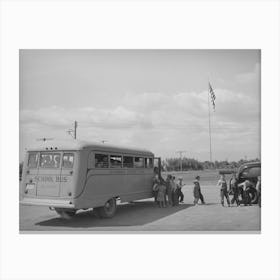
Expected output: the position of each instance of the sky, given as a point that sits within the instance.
(152, 99)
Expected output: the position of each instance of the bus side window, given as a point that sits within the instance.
(115, 161)
(148, 162)
(138, 162)
(101, 161)
(151, 162)
(128, 162)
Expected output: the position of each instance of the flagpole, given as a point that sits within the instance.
(209, 118)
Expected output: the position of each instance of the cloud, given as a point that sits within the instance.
(237, 106)
(160, 122)
(250, 77)
(154, 111)
(51, 116)
(59, 117)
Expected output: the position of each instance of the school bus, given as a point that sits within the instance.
(82, 175)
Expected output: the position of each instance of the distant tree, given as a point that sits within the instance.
(174, 164)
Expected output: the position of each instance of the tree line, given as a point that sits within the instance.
(174, 164)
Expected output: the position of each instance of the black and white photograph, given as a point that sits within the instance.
(135, 137)
(140, 140)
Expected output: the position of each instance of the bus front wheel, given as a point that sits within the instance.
(108, 210)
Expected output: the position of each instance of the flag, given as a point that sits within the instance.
(213, 96)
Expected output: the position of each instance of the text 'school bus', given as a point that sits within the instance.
(83, 175)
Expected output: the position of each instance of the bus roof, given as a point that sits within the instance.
(84, 145)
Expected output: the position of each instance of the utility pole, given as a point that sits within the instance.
(209, 123)
(181, 164)
(74, 131)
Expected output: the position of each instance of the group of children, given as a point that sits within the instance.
(168, 193)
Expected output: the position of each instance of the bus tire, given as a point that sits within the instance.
(108, 210)
(65, 214)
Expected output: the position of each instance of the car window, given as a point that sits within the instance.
(251, 172)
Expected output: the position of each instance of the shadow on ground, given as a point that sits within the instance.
(133, 214)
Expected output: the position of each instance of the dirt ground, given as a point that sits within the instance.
(145, 216)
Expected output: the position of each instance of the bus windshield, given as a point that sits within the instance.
(50, 160)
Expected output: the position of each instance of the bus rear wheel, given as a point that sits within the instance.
(108, 210)
(65, 214)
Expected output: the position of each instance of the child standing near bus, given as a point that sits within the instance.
(175, 194)
(196, 192)
(156, 183)
(179, 189)
(161, 195)
(169, 190)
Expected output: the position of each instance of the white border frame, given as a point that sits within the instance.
(155, 24)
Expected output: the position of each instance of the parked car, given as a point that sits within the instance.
(247, 171)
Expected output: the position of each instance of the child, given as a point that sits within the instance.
(179, 189)
(197, 178)
(234, 190)
(175, 195)
(222, 184)
(161, 195)
(169, 190)
(156, 182)
(196, 192)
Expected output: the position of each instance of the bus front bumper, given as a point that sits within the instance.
(47, 202)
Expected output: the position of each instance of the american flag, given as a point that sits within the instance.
(213, 96)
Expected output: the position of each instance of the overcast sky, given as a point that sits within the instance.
(154, 99)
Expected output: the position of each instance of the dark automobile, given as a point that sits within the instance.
(247, 171)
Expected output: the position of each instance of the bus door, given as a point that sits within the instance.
(67, 173)
(157, 166)
(48, 178)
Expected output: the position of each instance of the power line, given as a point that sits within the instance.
(180, 153)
